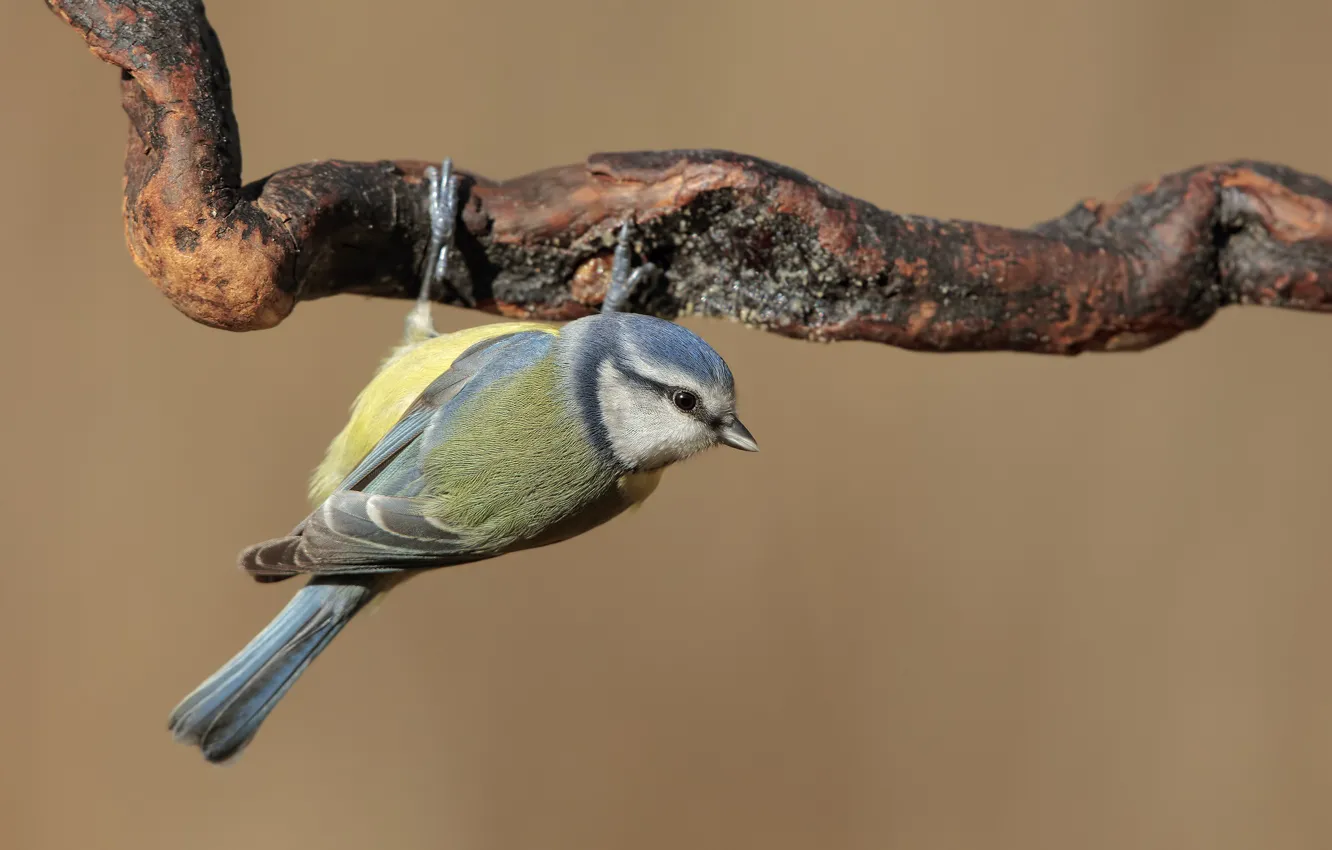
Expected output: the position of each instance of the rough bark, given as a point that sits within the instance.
(737, 236)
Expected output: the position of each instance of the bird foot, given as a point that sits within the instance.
(625, 280)
(443, 205)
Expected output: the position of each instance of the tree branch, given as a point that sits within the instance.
(737, 237)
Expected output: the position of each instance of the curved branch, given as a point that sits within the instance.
(737, 236)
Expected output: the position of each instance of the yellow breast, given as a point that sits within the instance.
(637, 486)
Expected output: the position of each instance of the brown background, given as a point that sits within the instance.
(967, 601)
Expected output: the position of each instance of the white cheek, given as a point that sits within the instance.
(644, 428)
(681, 437)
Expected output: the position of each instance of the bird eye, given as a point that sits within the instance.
(685, 400)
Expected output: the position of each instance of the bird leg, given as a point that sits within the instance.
(623, 281)
(443, 204)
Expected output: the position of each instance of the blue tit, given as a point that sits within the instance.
(464, 447)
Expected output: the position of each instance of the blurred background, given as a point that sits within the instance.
(958, 601)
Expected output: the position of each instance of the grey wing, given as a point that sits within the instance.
(374, 521)
(358, 532)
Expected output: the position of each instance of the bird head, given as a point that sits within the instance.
(652, 392)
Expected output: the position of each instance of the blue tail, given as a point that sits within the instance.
(223, 714)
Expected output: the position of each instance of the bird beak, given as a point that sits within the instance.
(736, 435)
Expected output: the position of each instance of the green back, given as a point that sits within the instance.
(515, 463)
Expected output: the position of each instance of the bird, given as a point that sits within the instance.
(464, 447)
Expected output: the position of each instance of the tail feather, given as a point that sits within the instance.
(222, 715)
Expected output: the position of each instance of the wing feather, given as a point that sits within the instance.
(375, 521)
(431, 400)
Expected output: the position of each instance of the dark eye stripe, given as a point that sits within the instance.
(645, 382)
(667, 390)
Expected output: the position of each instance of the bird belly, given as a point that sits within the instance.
(637, 486)
(599, 511)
